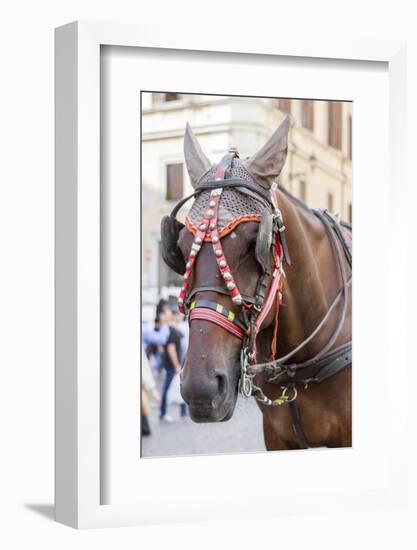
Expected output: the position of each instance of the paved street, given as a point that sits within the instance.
(243, 433)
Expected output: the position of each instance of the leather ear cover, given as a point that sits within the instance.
(171, 253)
(264, 241)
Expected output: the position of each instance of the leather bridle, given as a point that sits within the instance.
(253, 309)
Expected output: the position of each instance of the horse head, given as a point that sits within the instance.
(228, 251)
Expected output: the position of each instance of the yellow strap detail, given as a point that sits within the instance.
(230, 316)
(192, 306)
(281, 400)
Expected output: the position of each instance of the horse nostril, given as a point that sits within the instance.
(221, 383)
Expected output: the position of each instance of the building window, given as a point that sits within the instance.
(174, 179)
(171, 97)
(284, 105)
(350, 137)
(163, 98)
(307, 114)
(303, 190)
(330, 202)
(335, 124)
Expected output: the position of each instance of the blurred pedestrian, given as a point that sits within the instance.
(171, 363)
(148, 391)
(180, 323)
(154, 338)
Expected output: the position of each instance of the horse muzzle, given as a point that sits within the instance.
(210, 397)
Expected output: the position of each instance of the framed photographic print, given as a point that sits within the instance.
(207, 312)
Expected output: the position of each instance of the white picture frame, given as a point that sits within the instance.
(78, 325)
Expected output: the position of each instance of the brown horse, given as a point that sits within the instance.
(309, 312)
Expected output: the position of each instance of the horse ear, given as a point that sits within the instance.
(196, 161)
(267, 164)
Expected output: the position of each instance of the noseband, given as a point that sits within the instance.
(254, 309)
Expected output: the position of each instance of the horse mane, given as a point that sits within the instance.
(302, 204)
(294, 199)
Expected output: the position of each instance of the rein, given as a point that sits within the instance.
(254, 309)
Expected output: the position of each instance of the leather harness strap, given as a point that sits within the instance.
(217, 314)
(297, 425)
(329, 365)
(212, 316)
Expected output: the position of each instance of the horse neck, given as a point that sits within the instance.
(310, 283)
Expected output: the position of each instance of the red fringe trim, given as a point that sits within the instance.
(227, 229)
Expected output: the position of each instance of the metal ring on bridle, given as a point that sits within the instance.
(284, 391)
(246, 386)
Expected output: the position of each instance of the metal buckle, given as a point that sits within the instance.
(246, 384)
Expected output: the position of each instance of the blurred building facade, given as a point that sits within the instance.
(318, 168)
